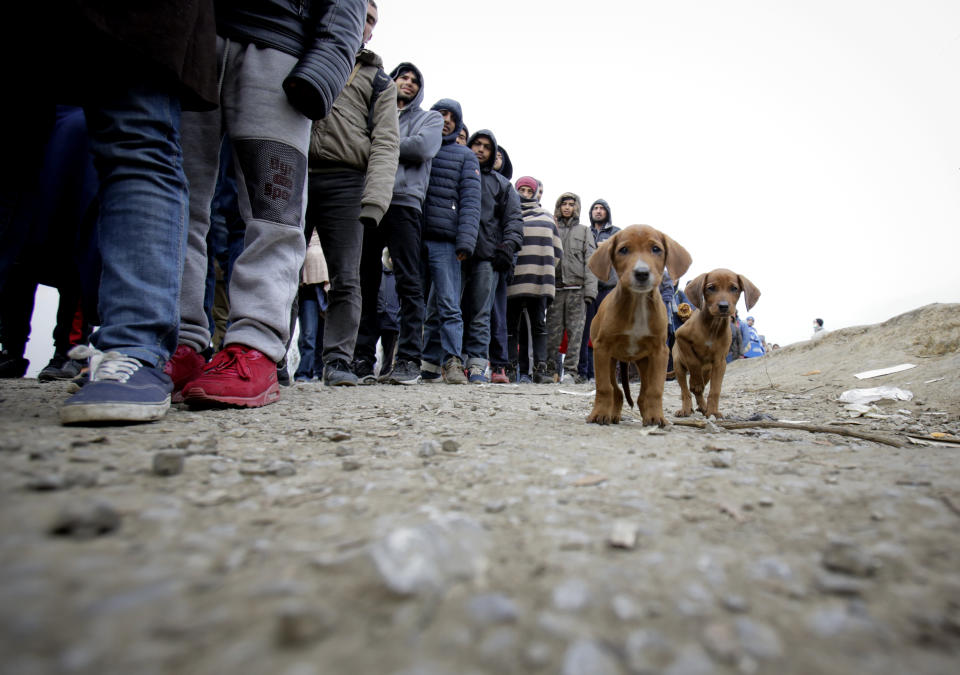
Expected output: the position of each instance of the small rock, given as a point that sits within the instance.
(85, 519)
(757, 639)
(428, 448)
(47, 482)
(735, 603)
(280, 469)
(495, 507)
(647, 651)
(84, 479)
(720, 639)
(844, 557)
(587, 656)
(710, 427)
(765, 502)
(537, 655)
(721, 461)
(168, 462)
(623, 534)
(572, 595)
(298, 626)
(350, 465)
(624, 608)
(839, 584)
(450, 445)
(492, 608)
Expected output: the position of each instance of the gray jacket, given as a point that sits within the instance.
(421, 132)
(578, 246)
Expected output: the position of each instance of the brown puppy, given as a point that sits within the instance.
(700, 350)
(631, 322)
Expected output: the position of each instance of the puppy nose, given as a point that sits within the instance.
(723, 307)
(641, 273)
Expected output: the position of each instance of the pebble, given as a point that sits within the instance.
(280, 469)
(168, 462)
(647, 651)
(758, 639)
(623, 534)
(572, 595)
(492, 608)
(721, 460)
(428, 448)
(587, 656)
(298, 626)
(495, 506)
(450, 445)
(846, 558)
(85, 519)
(839, 584)
(350, 465)
(624, 607)
(735, 603)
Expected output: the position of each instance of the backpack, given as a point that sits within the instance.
(380, 82)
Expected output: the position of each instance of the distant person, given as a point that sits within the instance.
(753, 345)
(602, 228)
(736, 342)
(817, 329)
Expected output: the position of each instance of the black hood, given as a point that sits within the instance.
(488, 165)
(507, 169)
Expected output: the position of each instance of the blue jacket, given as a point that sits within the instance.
(420, 135)
(501, 223)
(452, 207)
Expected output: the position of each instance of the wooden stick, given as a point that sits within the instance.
(813, 428)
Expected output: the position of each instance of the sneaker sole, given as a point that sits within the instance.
(89, 413)
(367, 380)
(197, 397)
(341, 383)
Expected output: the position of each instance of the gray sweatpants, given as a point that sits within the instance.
(270, 141)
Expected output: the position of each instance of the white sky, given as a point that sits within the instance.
(810, 145)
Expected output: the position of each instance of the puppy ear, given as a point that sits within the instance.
(678, 259)
(751, 291)
(694, 290)
(602, 259)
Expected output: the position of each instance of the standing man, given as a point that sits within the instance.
(400, 231)
(500, 237)
(281, 67)
(353, 162)
(451, 220)
(576, 286)
(602, 228)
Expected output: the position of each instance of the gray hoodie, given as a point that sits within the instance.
(420, 137)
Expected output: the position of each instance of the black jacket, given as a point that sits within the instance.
(324, 35)
(501, 222)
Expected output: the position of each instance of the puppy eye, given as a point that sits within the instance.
(623, 250)
(734, 289)
(711, 288)
(656, 249)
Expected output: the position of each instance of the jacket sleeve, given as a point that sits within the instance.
(557, 246)
(513, 220)
(468, 213)
(423, 145)
(384, 153)
(328, 58)
(589, 280)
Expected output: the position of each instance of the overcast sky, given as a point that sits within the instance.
(810, 145)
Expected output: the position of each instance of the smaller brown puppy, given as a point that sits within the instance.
(702, 342)
(631, 322)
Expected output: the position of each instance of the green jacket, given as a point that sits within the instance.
(344, 139)
(578, 246)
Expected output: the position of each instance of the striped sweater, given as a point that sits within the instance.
(537, 260)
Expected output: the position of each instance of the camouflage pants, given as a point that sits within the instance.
(567, 313)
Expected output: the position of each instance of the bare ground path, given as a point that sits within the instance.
(440, 529)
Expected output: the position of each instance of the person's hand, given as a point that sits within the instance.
(367, 221)
(502, 261)
(462, 255)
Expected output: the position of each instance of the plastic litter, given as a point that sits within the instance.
(884, 371)
(863, 396)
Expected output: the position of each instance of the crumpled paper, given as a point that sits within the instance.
(864, 396)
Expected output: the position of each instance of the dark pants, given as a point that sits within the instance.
(498, 324)
(333, 209)
(399, 231)
(536, 312)
(310, 341)
(585, 367)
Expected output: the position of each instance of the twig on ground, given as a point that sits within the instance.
(813, 428)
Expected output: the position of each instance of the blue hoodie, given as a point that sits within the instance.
(452, 207)
(420, 134)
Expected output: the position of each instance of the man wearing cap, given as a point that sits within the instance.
(400, 230)
(451, 220)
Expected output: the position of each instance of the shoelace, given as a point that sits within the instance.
(230, 358)
(112, 366)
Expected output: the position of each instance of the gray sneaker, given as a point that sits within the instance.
(453, 371)
(338, 374)
(364, 372)
(404, 372)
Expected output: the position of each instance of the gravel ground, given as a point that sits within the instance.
(488, 529)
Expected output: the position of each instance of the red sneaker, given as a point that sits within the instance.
(499, 376)
(183, 367)
(238, 375)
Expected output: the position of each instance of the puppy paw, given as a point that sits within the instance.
(603, 419)
(684, 412)
(654, 420)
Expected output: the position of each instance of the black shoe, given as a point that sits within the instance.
(283, 375)
(338, 374)
(364, 372)
(542, 374)
(61, 367)
(12, 366)
(404, 372)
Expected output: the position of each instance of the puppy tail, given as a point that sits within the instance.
(625, 383)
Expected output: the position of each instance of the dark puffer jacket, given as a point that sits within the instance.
(501, 223)
(601, 232)
(324, 35)
(452, 206)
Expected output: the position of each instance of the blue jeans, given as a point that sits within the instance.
(498, 324)
(310, 341)
(443, 327)
(135, 140)
(479, 287)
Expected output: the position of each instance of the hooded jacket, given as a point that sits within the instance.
(506, 169)
(420, 138)
(347, 139)
(324, 35)
(534, 273)
(501, 224)
(601, 232)
(452, 207)
(578, 246)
